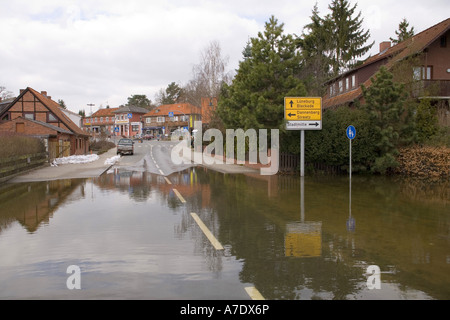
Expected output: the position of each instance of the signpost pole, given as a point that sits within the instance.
(302, 153)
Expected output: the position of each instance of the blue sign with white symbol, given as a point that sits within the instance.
(351, 132)
(170, 114)
(130, 116)
(116, 129)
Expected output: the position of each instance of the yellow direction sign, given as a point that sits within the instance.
(303, 113)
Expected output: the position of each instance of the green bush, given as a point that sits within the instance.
(330, 146)
(426, 120)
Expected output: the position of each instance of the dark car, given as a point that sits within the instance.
(125, 146)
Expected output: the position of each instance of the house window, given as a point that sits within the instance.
(347, 83)
(134, 128)
(101, 119)
(331, 90)
(29, 116)
(52, 118)
(353, 80)
(107, 119)
(341, 86)
(160, 119)
(148, 120)
(422, 73)
(444, 41)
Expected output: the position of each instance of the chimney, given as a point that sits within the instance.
(384, 46)
(44, 93)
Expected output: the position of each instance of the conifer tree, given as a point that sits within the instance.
(255, 99)
(403, 33)
(385, 104)
(348, 37)
(316, 47)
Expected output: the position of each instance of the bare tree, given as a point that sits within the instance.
(5, 94)
(208, 75)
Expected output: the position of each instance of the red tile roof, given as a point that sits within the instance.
(56, 110)
(105, 112)
(177, 109)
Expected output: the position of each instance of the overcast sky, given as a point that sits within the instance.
(103, 51)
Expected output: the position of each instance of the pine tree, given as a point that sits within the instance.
(316, 48)
(385, 104)
(255, 99)
(348, 37)
(403, 33)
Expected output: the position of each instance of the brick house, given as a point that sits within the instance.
(101, 121)
(431, 74)
(209, 106)
(128, 121)
(182, 116)
(36, 114)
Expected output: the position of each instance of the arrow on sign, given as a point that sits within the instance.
(291, 114)
(291, 103)
(314, 124)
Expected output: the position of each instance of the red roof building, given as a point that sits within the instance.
(33, 113)
(432, 46)
(167, 118)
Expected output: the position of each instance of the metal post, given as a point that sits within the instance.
(302, 153)
(350, 152)
(350, 181)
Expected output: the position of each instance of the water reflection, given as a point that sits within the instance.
(403, 227)
(33, 204)
(290, 238)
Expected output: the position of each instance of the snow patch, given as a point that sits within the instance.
(112, 160)
(75, 159)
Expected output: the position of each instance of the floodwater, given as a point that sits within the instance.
(133, 238)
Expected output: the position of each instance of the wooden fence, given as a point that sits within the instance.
(291, 163)
(14, 165)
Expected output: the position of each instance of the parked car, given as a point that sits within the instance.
(125, 146)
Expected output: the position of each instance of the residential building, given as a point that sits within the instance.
(209, 106)
(430, 73)
(101, 121)
(128, 121)
(36, 114)
(167, 118)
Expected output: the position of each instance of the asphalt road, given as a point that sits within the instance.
(152, 156)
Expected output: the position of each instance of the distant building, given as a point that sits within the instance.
(431, 75)
(101, 121)
(169, 117)
(36, 114)
(128, 121)
(209, 106)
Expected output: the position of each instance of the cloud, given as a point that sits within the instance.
(104, 51)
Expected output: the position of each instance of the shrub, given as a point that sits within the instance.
(101, 146)
(13, 145)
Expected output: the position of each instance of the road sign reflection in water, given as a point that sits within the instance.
(304, 238)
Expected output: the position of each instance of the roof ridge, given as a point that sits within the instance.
(54, 107)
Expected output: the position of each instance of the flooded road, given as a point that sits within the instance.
(133, 238)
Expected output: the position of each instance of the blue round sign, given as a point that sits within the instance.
(351, 132)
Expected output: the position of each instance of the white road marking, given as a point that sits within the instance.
(179, 195)
(254, 293)
(216, 244)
